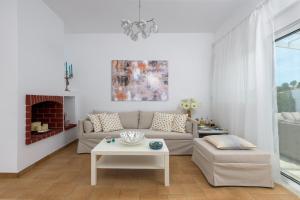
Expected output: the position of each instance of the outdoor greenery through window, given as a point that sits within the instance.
(288, 102)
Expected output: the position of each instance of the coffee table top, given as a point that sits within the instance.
(118, 148)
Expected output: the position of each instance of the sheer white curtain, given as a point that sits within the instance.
(243, 86)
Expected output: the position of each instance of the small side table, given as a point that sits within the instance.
(205, 132)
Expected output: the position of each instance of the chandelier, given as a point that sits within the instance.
(140, 27)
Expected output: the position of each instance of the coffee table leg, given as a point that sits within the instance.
(167, 178)
(93, 169)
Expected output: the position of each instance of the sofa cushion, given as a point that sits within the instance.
(145, 120)
(110, 122)
(129, 119)
(88, 126)
(162, 121)
(167, 135)
(148, 134)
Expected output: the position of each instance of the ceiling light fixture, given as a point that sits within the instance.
(145, 28)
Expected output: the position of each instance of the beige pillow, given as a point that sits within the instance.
(88, 126)
(229, 142)
(110, 122)
(96, 122)
(162, 121)
(179, 123)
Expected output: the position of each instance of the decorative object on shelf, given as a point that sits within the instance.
(45, 127)
(35, 125)
(155, 145)
(131, 137)
(68, 75)
(143, 27)
(189, 105)
(139, 80)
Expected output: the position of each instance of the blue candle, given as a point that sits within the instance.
(66, 67)
(71, 70)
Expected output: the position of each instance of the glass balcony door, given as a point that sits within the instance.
(287, 75)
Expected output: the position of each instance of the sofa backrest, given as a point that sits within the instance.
(146, 118)
(129, 120)
(136, 120)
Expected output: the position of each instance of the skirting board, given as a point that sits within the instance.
(16, 175)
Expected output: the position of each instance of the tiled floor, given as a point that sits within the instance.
(66, 175)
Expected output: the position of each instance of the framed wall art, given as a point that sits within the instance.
(139, 80)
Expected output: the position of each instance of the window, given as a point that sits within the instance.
(287, 75)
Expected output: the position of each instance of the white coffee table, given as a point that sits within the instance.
(120, 156)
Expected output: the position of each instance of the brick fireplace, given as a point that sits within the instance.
(47, 110)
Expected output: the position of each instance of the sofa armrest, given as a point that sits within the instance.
(80, 128)
(194, 127)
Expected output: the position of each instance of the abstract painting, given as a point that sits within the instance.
(139, 80)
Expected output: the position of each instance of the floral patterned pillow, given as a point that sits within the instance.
(110, 122)
(162, 121)
(179, 123)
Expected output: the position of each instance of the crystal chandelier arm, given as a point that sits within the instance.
(150, 20)
(139, 10)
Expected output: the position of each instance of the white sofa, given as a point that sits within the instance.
(178, 143)
(289, 134)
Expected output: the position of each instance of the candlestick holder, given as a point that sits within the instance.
(68, 75)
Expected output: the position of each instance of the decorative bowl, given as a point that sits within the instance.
(132, 137)
(155, 145)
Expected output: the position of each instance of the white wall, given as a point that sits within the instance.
(41, 71)
(8, 85)
(189, 57)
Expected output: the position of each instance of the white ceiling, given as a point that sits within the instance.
(173, 16)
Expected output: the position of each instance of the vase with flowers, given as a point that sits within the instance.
(189, 105)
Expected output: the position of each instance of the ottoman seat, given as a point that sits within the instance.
(232, 167)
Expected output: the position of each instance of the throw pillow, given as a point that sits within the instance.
(179, 123)
(288, 116)
(110, 122)
(88, 126)
(162, 121)
(96, 122)
(229, 142)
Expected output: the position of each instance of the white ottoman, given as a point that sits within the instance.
(233, 167)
